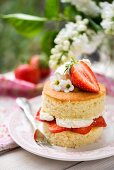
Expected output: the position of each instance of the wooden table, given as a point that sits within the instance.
(20, 159)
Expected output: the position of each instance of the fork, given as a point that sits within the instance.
(39, 137)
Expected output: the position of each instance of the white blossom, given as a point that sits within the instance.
(53, 62)
(55, 82)
(107, 9)
(61, 82)
(74, 40)
(63, 58)
(66, 86)
(96, 39)
(65, 1)
(61, 70)
(107, 13)
(89, 7)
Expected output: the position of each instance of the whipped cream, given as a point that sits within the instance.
(68, 123)
(45, 116)
(76, 123)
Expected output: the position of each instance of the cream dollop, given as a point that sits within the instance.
(45, 116)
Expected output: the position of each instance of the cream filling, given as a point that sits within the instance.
(68, 123)
(76, 123)
(45, 116)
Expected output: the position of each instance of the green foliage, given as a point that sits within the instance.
(94, 25)
(70, 12)
(27, 25)
(52, 8)
(14, 48)
(47, 41)
(52, 17)
(44, 60)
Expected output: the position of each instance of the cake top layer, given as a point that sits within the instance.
(75, 95)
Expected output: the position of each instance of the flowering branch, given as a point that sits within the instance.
(74, 40)
(107, 13)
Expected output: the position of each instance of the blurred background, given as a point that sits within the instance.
(15, 48)
(30, 27)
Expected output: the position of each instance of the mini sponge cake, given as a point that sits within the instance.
(75, 105)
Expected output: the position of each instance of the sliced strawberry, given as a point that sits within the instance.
(83, 130)
(83, 77)
(35, 135)
(37, 117)
(99, 122)
(54, 128)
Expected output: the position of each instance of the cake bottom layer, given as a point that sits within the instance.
(70, 139)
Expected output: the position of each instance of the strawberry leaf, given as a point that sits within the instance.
(69, 65)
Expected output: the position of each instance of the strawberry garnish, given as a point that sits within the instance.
(83, 77)
(54, 128)
(99, 122)
(37, 117)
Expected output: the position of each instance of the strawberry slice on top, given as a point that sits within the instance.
(83, 77)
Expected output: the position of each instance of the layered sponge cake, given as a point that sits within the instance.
(71, 119)
(74, 105)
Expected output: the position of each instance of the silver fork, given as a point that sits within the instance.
(39, 137)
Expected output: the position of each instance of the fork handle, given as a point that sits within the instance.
(25, 106)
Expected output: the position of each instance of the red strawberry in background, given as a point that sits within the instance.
(44, 72)
(28, 73)
(83, 77)
(41, 64)
(35, 61)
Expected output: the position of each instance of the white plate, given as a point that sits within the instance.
(22, 133)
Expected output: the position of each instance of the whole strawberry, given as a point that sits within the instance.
(35, 61)
(83, 77)
(44, 72)
(41, 64)
(28, 73)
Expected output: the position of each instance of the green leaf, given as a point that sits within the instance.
(26, 25)
(94, 25)
(70, 12)
(52, 8)
(44, 60)
(47, 42)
